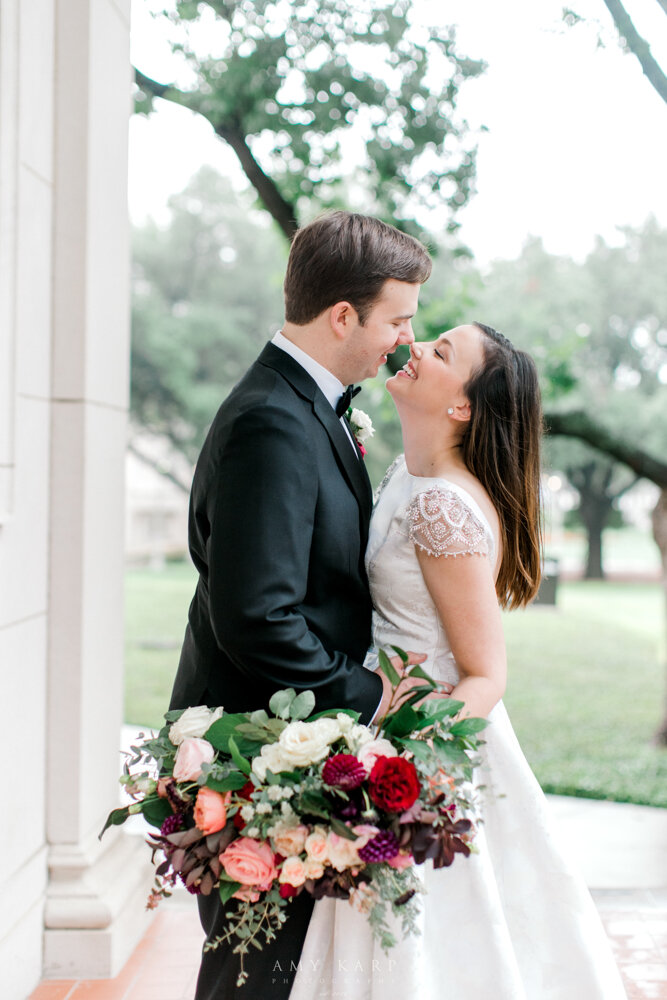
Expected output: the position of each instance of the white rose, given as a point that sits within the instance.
(358, 736)
(362, 425)
(270, 759)
(312, 868)
(303, 743)
(193, 723)
(370, 752)
(345, 722)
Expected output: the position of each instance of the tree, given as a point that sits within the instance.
(598, 331)
(207, 295)
(291, 86)
(632, 41)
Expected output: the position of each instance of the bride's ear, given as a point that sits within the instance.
(462, 412)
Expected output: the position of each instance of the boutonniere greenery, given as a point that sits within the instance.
(361, 426)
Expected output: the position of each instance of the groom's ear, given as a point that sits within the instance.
(343, 318)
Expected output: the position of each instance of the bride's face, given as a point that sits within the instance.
(433, 379)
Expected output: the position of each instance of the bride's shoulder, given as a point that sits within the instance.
(446, 518)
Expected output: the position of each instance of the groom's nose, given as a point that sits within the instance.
(406, 335)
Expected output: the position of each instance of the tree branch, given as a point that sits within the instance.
(638, 45)
(281, 210)
(578, 424)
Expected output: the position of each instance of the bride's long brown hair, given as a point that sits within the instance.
(501, 447)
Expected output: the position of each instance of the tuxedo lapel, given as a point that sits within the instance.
(352, 466)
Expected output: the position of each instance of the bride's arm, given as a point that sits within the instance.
(464, 594)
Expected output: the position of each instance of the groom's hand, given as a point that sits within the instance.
(406, 684)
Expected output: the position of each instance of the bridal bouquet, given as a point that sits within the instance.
(260, 807)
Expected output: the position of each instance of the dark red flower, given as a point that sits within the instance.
(287, 891)
(344, 770)
(393, 784)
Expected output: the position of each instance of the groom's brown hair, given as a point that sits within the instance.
(346, 257)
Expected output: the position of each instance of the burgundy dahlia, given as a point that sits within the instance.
(171, 824)
(382, 847)
(343, 770)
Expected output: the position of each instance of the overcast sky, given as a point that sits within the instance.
(577, 137)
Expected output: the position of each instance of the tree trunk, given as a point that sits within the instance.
(659, 520)
(594, 569)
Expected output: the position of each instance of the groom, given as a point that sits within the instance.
(279, 516)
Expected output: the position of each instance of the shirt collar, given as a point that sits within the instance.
(330, 386)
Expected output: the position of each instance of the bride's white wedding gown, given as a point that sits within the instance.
(512, 922)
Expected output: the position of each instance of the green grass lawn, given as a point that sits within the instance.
(585, 691)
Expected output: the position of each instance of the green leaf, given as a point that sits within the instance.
(156, 811)
(331, 713)
(402, 722)
(388, 668)
(467, 726)
(419, 748)
(418, 671)
(261, 734)
(218, 734)
(174, 714)
(341, 829)
(450, 751)
(403, 655)
(227, 889)
(442, 708)
(233, 781)
(302, 705)
(259, 717)
(314, 803)
(241, 762)
(281, 701)
(115, 818)
(416, 694)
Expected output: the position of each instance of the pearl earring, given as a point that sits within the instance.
(450, 410)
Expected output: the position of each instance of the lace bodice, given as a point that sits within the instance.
(444, 520)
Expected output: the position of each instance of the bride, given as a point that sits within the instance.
(455, 536)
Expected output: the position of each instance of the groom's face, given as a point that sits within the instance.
(388, 324)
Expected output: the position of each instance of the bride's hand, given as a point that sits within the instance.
(406, 684)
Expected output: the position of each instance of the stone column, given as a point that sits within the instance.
(95, 900)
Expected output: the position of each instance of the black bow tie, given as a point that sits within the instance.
(343, 404)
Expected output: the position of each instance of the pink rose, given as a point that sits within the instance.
(250, 862)
(401, 861)
(246, 892)
(192, 753)
(316, 845)
(211, 810)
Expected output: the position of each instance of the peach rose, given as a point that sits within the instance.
(316, 845)
(191, 754)
(211, 810)
(293, 871)
(289, 839)
(250, 862)
(342, 852)
(312, 868)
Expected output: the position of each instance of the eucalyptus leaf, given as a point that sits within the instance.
(280, 702)
(420, 749)
(302, 705)
(233, 781)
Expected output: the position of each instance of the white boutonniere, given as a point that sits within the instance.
(361, 426)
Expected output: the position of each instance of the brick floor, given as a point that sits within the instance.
(164, 964)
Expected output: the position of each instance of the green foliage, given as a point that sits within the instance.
(297, 83)
(206, 298)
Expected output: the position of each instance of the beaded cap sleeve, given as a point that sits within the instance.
(441, 523)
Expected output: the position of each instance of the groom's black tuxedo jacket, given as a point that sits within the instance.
(278, 527)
